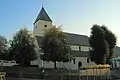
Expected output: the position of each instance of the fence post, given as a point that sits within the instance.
(96, 73)
(79, 74)
(86, 74)
(107, 73)
(100, 74)
(93, 74)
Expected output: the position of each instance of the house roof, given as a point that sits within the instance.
(43, 16)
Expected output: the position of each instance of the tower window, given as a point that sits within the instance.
(45, 25)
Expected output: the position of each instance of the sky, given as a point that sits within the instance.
(74, 16)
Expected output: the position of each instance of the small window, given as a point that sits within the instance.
(45, 25)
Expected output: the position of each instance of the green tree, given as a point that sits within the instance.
(22, 47)
(54, 46)
(99, 45)
(3, 48)
(3, 44)
(111, 39)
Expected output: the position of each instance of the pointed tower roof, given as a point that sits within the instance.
(43, 16)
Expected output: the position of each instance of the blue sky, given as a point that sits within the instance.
(76, 16)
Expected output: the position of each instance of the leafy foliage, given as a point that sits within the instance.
(54, 46)
(99, 45)
(3, 48)
(103, 42)
(3, 44)
(111, 39)
(22, 47)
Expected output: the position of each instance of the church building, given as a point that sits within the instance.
(79, 44)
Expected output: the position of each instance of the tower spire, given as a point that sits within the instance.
(43, 16)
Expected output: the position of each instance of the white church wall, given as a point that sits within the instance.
(48, 64)
(74, 47)
(84, 48)
(39, 27)
(75, 66)
(66, 65)
(36, 43)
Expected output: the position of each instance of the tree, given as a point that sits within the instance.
(99, 45)
(3, 44)
(3, 48)
(54, 46)
(111, 39)
(22, 47)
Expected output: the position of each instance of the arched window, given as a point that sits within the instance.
(79, 64)
(88, 60)
(73, 60)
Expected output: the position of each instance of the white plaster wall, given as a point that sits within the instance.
(49, 64)
(36, 43)
(64, 65)
(75, 66)
(39, 28)
(74, 47)
(84, 48)
(37, 50)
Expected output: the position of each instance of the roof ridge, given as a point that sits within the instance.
(75, 34)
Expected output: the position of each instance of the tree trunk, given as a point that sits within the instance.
(27, 63)
(55, 65)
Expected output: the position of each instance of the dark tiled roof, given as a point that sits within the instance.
(77, 39)
(43, 16)
(74, 39)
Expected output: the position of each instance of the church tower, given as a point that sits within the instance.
(42, 23)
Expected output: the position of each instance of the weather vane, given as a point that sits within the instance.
(42, 5)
